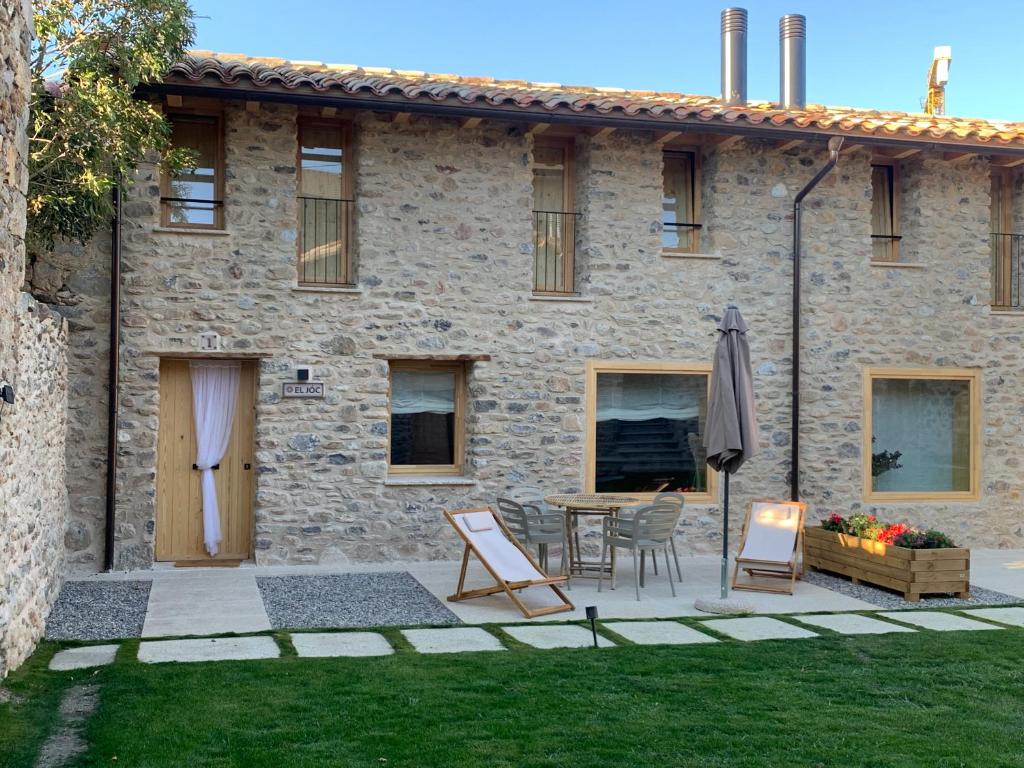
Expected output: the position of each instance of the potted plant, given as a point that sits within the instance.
(895, 556)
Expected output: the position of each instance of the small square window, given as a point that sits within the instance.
(427, 401)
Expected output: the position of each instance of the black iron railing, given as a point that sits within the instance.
(685, 235)
(554, 251)
(325, 241)
(1007, 279)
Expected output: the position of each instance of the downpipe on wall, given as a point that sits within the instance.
(114, 365)
(834, 145)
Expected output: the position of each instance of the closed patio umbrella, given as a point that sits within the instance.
(731, 435)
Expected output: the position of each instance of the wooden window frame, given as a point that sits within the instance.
(695, 197)
(894, 212)
(347, 191)
(595, 367)
(568, 147)
(970, 375)
(1001, 226)
(218, 174)
(460, 369)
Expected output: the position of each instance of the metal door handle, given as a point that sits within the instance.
(247, 466)
(215, 466)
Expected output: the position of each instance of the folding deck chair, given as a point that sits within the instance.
(769, 545)
(509, 562)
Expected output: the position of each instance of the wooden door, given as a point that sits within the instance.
(179, 507)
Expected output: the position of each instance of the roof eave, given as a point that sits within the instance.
(456, 108)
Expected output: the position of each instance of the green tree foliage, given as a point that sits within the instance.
(87, 129)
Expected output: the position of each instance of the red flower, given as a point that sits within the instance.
(871, 518)
(889, 534)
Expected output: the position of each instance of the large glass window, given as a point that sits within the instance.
(924, 434)
(426, 417)
(325, 203)
(193, 197)
(679, 207)
(646, 428)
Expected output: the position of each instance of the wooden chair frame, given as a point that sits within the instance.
(508, 587)
(760, 568)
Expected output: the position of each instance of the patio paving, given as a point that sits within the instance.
(557, 636)
(452, 640)
(84, 657)
(1012, 616)
(331, 644)
(851, 624)
(758, 628)
(209, 649)
(204, 602)
(937, 620)
(658, 632)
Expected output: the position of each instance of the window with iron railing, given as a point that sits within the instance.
(325, 204)
(193, 197)
(1007, 246)
(554, 221)
(885, 213)
(680, 202)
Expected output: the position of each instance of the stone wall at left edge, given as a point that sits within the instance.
(33, 344)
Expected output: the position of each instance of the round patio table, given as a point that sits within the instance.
(601, 504)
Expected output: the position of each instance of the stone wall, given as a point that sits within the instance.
(444, 251)
(33, 499)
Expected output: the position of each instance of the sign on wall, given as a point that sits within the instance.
(303, 389)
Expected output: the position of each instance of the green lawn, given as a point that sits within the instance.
(928, 699)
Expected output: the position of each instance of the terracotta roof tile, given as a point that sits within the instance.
(231, 69)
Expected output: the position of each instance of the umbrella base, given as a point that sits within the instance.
(726, 605)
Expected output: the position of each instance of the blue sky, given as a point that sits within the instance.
(865, 53)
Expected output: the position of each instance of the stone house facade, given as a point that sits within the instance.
(443, 251)
(33, 497)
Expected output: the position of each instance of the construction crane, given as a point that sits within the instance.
(938, 76)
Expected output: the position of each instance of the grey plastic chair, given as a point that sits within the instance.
(534, 528)
(650, 528)
(672, 498)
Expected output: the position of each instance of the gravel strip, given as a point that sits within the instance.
(350, 600)
(886, 599)
(99, 610)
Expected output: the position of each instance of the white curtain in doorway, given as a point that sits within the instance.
(214, 397)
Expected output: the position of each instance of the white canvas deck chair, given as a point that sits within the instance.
(508, 561)
(769, 545)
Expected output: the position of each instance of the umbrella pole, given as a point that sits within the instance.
(725, 541)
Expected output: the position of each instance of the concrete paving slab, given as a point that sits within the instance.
(758, 628)
(454, 640)
(556, 636)
(658, 632)
(851, 624)
(86, 656)
(209, 603)
(326, 644)
(1012, 616)
(941, 622)
(209, 649)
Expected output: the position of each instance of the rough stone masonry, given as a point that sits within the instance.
(443, 248)
(33, 498)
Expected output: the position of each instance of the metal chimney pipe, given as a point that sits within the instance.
(734, 56)
(793, 61)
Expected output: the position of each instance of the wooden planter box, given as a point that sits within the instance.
(914, 572)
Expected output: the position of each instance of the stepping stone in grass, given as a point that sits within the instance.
(556, 636)
(758, 628)
(324, 644)
(209, 649)
(86, 656)
(1013, 616)
(658, 632)
(942, 622)
(454, 640)
(851, 624)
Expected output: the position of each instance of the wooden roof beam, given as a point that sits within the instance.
(173, 100)
(534, 129)
(252, 106)
(600, 133)
(470, 122)
(782, 146)
(952, 157)
(1007, 161)
(664, 137)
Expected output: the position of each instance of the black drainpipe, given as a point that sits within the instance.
(834, 144)
(114, 362)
